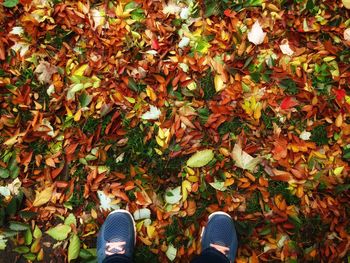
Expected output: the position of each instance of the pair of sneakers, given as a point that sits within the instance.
(118, 235)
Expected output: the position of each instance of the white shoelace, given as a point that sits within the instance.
(224, 250)
(115, 248)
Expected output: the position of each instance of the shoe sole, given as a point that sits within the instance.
(211, 215)
(126, 212)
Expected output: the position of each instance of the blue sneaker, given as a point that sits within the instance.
(117, 235)
(220, 233)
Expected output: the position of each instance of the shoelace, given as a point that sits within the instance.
(115, 248)
(224, 250)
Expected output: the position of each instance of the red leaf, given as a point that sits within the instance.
(339, 94)
(229, 13)
(155, 44)
(288, 103)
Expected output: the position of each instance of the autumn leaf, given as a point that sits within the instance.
(219, 83)
(171, 252)
(200, 158)
(43, 197)
(244, 160)
(173, 196)
(146, 106)
(346, 3)
(59, 232)
(152, 114)
(256, 34)
(185, 189)
(45, 71)
(288, 102)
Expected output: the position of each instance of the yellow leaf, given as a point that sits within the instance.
(43, 197)
(129, 99)
(80, 71)
(77, 115)
(150, 231)
(186, 187)
(244, 160)
(13, 139)
(346, 4)
(160, 141)
(229, 182)
(218, 83)
(190, 171)
(193, 179)
(257, 111)
(337, 171)
(151, 94)
(159, 152)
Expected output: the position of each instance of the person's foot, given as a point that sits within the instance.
(117, 235)
(220, 234)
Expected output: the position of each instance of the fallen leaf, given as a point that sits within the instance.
(173, 196)
(305, 135)
(43, 197)
(285, 48)
(200, 158)
(171, 252)
(106, 203)
(186, 188)
(59, 232)
(184, 42)
(244, 160)
(346, 3)
(288, 102)
(45, 71)
(218, 185)
(219, 83)
(73, 248)
(153, 114)
(143, 213)
(256, 35)
(347, 34)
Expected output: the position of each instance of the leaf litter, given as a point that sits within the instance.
(174, 110)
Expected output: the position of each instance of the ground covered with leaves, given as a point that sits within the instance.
(174, 110)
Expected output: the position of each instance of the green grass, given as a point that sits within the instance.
(235, 126)
(253, 203)
(206, 83)
(289, 86)
(143, 254)
(319, 135)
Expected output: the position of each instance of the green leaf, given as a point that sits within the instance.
(10, 3)
(220, 186)
(28, 237)
(74, 88)
(87, 253)
(18, 226)
(171, 252)
(30, 256)
(59, 232)
(74, 247)
(21, 249)
(3, 242)
(84, 99)
(200, 158)
(4, 173)
(70, 220)
(37, 232)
